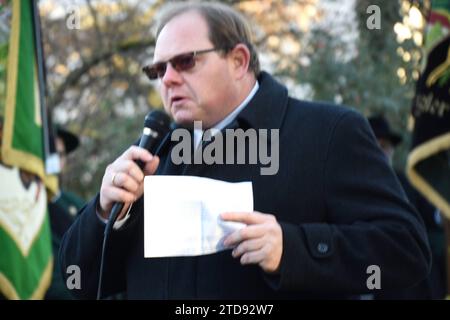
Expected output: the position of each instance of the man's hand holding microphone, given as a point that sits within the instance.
(123, 181)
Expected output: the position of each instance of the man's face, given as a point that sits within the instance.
(207, 91)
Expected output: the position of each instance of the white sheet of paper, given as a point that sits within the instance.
(181, 214)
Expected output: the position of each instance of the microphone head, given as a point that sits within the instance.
(157, 120)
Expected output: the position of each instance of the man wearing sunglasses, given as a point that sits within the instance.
(332, 212)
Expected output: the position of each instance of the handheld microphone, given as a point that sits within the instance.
(156, 127)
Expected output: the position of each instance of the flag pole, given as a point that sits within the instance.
(50, 156)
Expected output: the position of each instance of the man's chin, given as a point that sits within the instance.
(187, 119)
(184, 121)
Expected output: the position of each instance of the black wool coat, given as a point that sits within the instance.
(339, 204)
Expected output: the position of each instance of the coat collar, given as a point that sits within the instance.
(267, 108)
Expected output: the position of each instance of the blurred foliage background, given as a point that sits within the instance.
(322, 49)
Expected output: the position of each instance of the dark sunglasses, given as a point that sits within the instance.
(181, 62)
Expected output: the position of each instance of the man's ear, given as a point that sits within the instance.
(240, 60)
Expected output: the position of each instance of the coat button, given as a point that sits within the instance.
(322, 247)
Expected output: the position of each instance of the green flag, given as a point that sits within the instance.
(26, 259)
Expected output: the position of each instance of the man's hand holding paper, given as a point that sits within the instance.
(260, 242)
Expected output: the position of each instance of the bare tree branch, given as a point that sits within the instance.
(74, 77)
(93, 12)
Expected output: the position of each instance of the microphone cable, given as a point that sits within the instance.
(155, 133)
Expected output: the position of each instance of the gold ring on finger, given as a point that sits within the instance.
(113, 177)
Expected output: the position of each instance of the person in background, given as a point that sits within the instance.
(434, 286)
(63, 210)
(66, 143)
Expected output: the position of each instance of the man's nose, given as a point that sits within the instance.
(171, 76)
